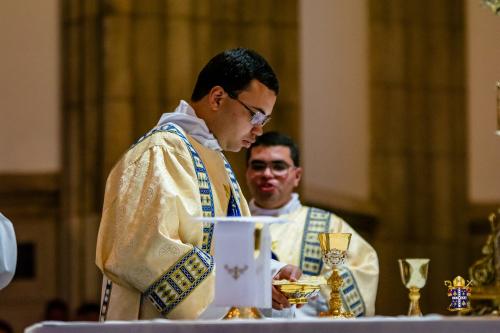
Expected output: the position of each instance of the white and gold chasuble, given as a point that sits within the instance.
(156, 261)
(297, 243)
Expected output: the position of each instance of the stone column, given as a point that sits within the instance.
(418, 151)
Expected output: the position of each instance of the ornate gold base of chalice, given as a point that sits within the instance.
(334, 247)
(243, 312)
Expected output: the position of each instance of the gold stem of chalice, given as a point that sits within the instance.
(335, 282)
(334, 248)
(414, 296)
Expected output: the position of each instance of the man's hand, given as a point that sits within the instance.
(288, 272)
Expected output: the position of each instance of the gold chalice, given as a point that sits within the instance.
(334, 248)
(414, 275)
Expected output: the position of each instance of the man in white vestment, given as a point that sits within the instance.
(8, 251)
(273, 172)
(155, 260)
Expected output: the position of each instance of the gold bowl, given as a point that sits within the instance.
(299, 292)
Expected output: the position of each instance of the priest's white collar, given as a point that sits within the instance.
(185, 117)
(288, 208)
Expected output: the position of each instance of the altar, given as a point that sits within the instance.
(427, 324)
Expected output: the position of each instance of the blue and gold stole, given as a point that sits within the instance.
(204, 185)
(233, 207)
(311, 262)
(192, 268)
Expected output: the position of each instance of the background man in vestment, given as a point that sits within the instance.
(273, 172)
(155, 260)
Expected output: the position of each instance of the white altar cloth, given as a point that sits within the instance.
(427, 324)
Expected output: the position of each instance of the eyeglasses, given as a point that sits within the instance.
(257, 118)
(278, 168)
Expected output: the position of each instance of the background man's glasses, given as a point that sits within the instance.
(278, 168)
(257, 117)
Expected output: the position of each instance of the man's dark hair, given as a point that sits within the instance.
(88, 312)
(57, 305)
(270, 139)
(86, 308)
(233, 70)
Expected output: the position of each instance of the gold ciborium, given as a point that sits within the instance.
(299, 292)
(334, 248)
(414, 275)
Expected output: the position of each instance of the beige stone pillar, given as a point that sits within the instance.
(418, 147)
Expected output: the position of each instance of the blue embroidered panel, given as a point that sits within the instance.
(232, 207)
(317, 221)
(350, 294)
(205, 188)
(234, 183)
(180, 280)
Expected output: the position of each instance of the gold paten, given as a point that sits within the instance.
(334, 247)
(299, 292)
(414, 276)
